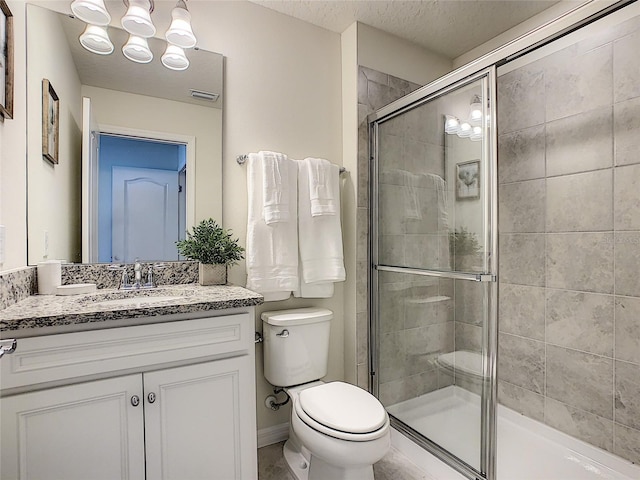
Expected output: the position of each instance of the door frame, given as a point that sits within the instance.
(190, 146)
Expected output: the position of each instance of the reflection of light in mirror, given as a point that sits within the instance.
(476, 134)
(465, 130)
(174, 58)
(451, 125)
(96, 39)
(475, 110)
(137, 50)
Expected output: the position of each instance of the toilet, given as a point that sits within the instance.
(337, 430)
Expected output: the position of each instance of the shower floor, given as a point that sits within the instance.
(527, 449)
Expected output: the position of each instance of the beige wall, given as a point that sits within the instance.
(395, 56)
(51, 184)
(13, 144)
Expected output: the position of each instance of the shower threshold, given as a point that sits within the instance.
(527, 449)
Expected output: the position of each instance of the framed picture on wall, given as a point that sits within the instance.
(50, 122)
(6, 61)
(468, 180)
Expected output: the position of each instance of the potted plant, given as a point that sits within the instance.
(214, 248)
(465, 250)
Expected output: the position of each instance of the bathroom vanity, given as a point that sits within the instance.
(155, 386)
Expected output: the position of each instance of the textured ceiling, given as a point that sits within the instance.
(448, 27)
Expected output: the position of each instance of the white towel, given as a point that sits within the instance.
(275, 187)
(410, 195)
(321, 253)
(272, 250)
(321, 191)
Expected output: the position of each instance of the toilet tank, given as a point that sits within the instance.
(296, 345)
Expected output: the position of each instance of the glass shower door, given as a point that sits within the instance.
(433, 274)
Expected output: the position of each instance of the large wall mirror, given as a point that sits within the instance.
(139, 155)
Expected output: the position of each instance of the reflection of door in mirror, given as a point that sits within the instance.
(138, 198)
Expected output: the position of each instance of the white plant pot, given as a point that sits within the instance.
(212, 274)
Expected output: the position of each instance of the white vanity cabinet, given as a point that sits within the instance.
(178, 403)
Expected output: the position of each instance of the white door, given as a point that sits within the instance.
(80, 432)
(90, 143)
(194, 427)
(144, 208)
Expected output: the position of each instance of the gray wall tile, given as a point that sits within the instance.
(626, 65)
(576, 84)
(626, 200)
(468, 337)
(583, 321)
(627, 394)
(522, 206)
(581, 202)
(586, 426)
(573, 258)
(522, 259)
(580, 143)
(522, 155)
(626, 442)
(581, 380)
(628, 329)
(469, 302)
(521, 400)
(627, 251)
(626, 127)
(521, 362)
(521, 310)
(521, 90)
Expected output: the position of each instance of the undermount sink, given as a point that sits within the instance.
(135, 298)
(135, 301)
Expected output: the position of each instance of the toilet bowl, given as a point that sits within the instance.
(337, 430)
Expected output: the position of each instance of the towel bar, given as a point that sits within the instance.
(241, 159)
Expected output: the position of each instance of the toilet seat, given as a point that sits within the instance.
(343, 411)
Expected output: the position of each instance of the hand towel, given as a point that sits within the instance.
(321, 192)
(321, 253)
(272, 250)
(275, 187)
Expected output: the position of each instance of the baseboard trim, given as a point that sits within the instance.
(274, 434)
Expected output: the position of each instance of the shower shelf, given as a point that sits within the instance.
(420, 300)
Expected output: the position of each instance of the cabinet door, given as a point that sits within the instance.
(85, 431)
(201, 424)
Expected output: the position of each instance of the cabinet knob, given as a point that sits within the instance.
(151, 397)
(135, 400)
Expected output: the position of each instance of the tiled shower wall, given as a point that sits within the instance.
(375, 90)
(569, 183)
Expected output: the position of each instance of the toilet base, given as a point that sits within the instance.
(313, 468)
(296, 462)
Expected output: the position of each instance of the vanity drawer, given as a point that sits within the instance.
(56, 358)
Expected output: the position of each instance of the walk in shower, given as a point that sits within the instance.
(505, 361)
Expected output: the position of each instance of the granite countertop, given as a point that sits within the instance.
(104, 305)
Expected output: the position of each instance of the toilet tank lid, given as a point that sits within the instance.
(298, 316)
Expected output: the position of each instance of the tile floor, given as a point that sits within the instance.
(394, 466)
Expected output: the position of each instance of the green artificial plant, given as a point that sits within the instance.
(211, 244)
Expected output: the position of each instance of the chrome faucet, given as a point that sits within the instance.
(137, 275)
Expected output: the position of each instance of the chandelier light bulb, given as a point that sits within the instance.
(137, 21)
(180, 32)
